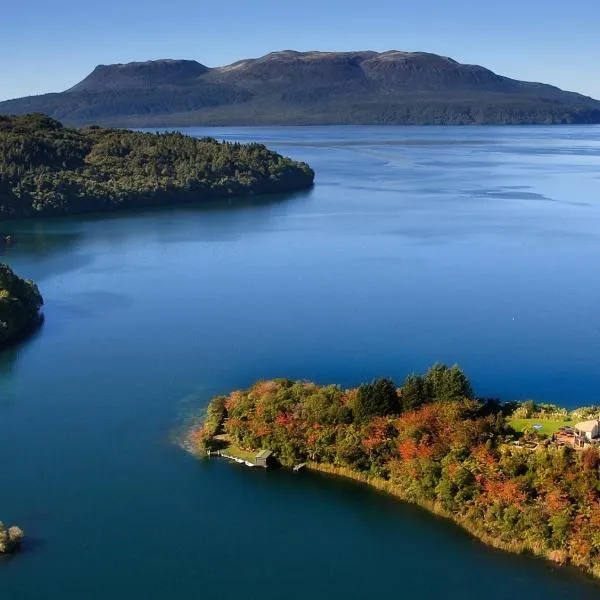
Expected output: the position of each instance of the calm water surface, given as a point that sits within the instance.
(469, 245)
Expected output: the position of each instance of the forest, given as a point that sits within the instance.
(20, 304)
(431, 442)
(50, 170)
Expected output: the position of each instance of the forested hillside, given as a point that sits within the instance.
(47, 169)
(20, 304)
(430, 442)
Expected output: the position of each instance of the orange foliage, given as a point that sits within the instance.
(506, 492)
(262, 388)
(484, 456)
(378, 432)
(233, 399)
(555, 501)
(407, 449)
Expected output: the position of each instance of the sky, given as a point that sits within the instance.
(49, 45)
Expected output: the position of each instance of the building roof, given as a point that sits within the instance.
(264, 454)
(587, 426)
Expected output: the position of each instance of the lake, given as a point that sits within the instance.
(476, 246)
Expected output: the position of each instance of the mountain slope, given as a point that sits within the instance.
(291, 87)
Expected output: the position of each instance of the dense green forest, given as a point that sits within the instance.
(20, 304)
(47, 169)
(431, 442)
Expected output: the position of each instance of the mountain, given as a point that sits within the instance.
(308, 88)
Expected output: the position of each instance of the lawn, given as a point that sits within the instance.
(238, 452)
(549, 426)
(225, 444)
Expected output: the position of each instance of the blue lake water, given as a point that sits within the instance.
(470, 245)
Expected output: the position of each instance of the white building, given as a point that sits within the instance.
(586, 431)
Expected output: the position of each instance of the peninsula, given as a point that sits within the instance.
(20, 305)
(308, 88)
(519, 477)
(50, 170)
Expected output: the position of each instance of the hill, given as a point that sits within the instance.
(20, 304)
(308, 88)
(48, 170)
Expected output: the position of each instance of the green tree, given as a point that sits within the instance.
(447, 383)
(376, 399)
(412, 393)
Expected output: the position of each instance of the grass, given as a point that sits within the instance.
(238, 452)
(549, 426)
(225, 444)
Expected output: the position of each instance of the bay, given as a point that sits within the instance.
(468, 245)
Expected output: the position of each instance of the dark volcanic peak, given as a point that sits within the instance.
(309, 88)
(430, 71)
(297, 69)
(140, 74)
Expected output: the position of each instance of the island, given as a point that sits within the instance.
(11, 539)
(20, 305)
(50, 170)
(520, 477)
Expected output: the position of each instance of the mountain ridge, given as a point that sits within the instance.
(300, 88)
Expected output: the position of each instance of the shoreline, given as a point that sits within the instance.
(26, 333)
(479, 463)
(386, 487)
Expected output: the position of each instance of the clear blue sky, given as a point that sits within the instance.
(49, 45)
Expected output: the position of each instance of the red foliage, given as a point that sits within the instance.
(506, 492)
(377, 433)
(407, 449)
(284, 420)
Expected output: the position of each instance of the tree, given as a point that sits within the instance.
(376, 399)
(529, 408)
(412, 393)
(447, 383)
